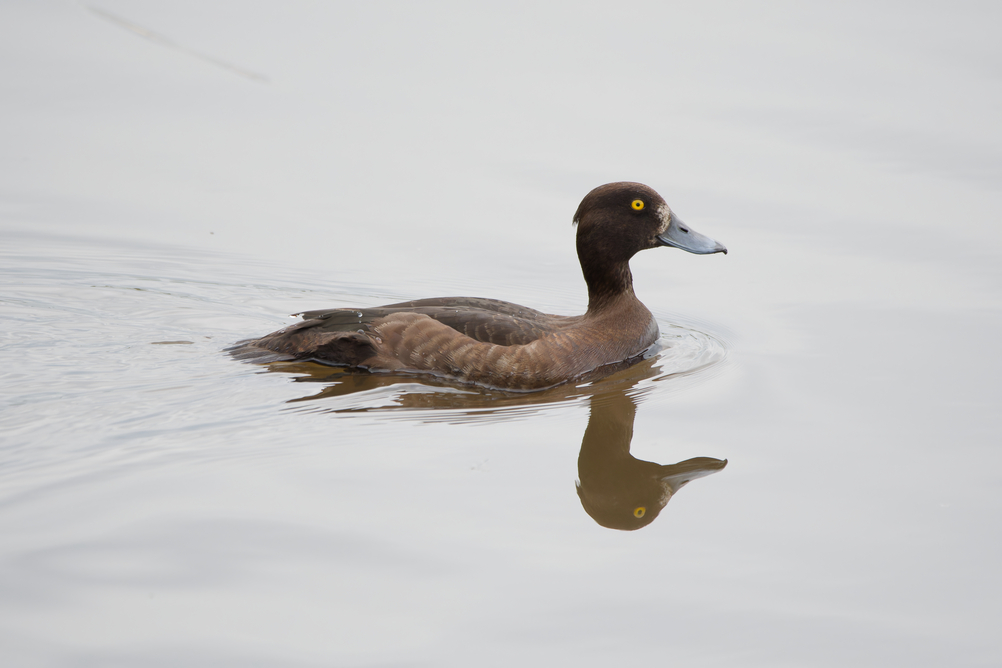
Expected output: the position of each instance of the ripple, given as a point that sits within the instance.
(107, 341)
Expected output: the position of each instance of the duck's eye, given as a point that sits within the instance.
(638, 205)
(640, 510)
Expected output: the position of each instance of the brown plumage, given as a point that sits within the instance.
(498, 344)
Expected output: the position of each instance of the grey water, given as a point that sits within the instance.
(807, 473)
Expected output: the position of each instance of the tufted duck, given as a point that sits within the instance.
(502, 345)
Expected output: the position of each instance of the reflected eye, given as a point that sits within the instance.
(638, 205)
(639, 511)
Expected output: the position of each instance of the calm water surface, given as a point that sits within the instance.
(177, 177)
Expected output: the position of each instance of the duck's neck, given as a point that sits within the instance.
(607, 283)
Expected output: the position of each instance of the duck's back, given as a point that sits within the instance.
(481, 319)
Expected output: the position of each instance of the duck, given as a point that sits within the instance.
(500, 345)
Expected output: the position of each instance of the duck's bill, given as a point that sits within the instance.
(680, 235)
(677, 475)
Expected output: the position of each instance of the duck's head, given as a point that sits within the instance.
(618, 220)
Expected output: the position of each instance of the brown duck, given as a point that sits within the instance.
(502, 345)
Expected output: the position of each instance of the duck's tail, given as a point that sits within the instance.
(336, 338)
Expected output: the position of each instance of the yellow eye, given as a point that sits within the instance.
(638, 205)
(639, 512)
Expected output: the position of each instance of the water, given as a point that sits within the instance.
(179, 177)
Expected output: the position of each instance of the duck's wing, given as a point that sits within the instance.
(341, 336)
(485, 320)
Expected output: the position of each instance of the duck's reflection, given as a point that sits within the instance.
(616, 489)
